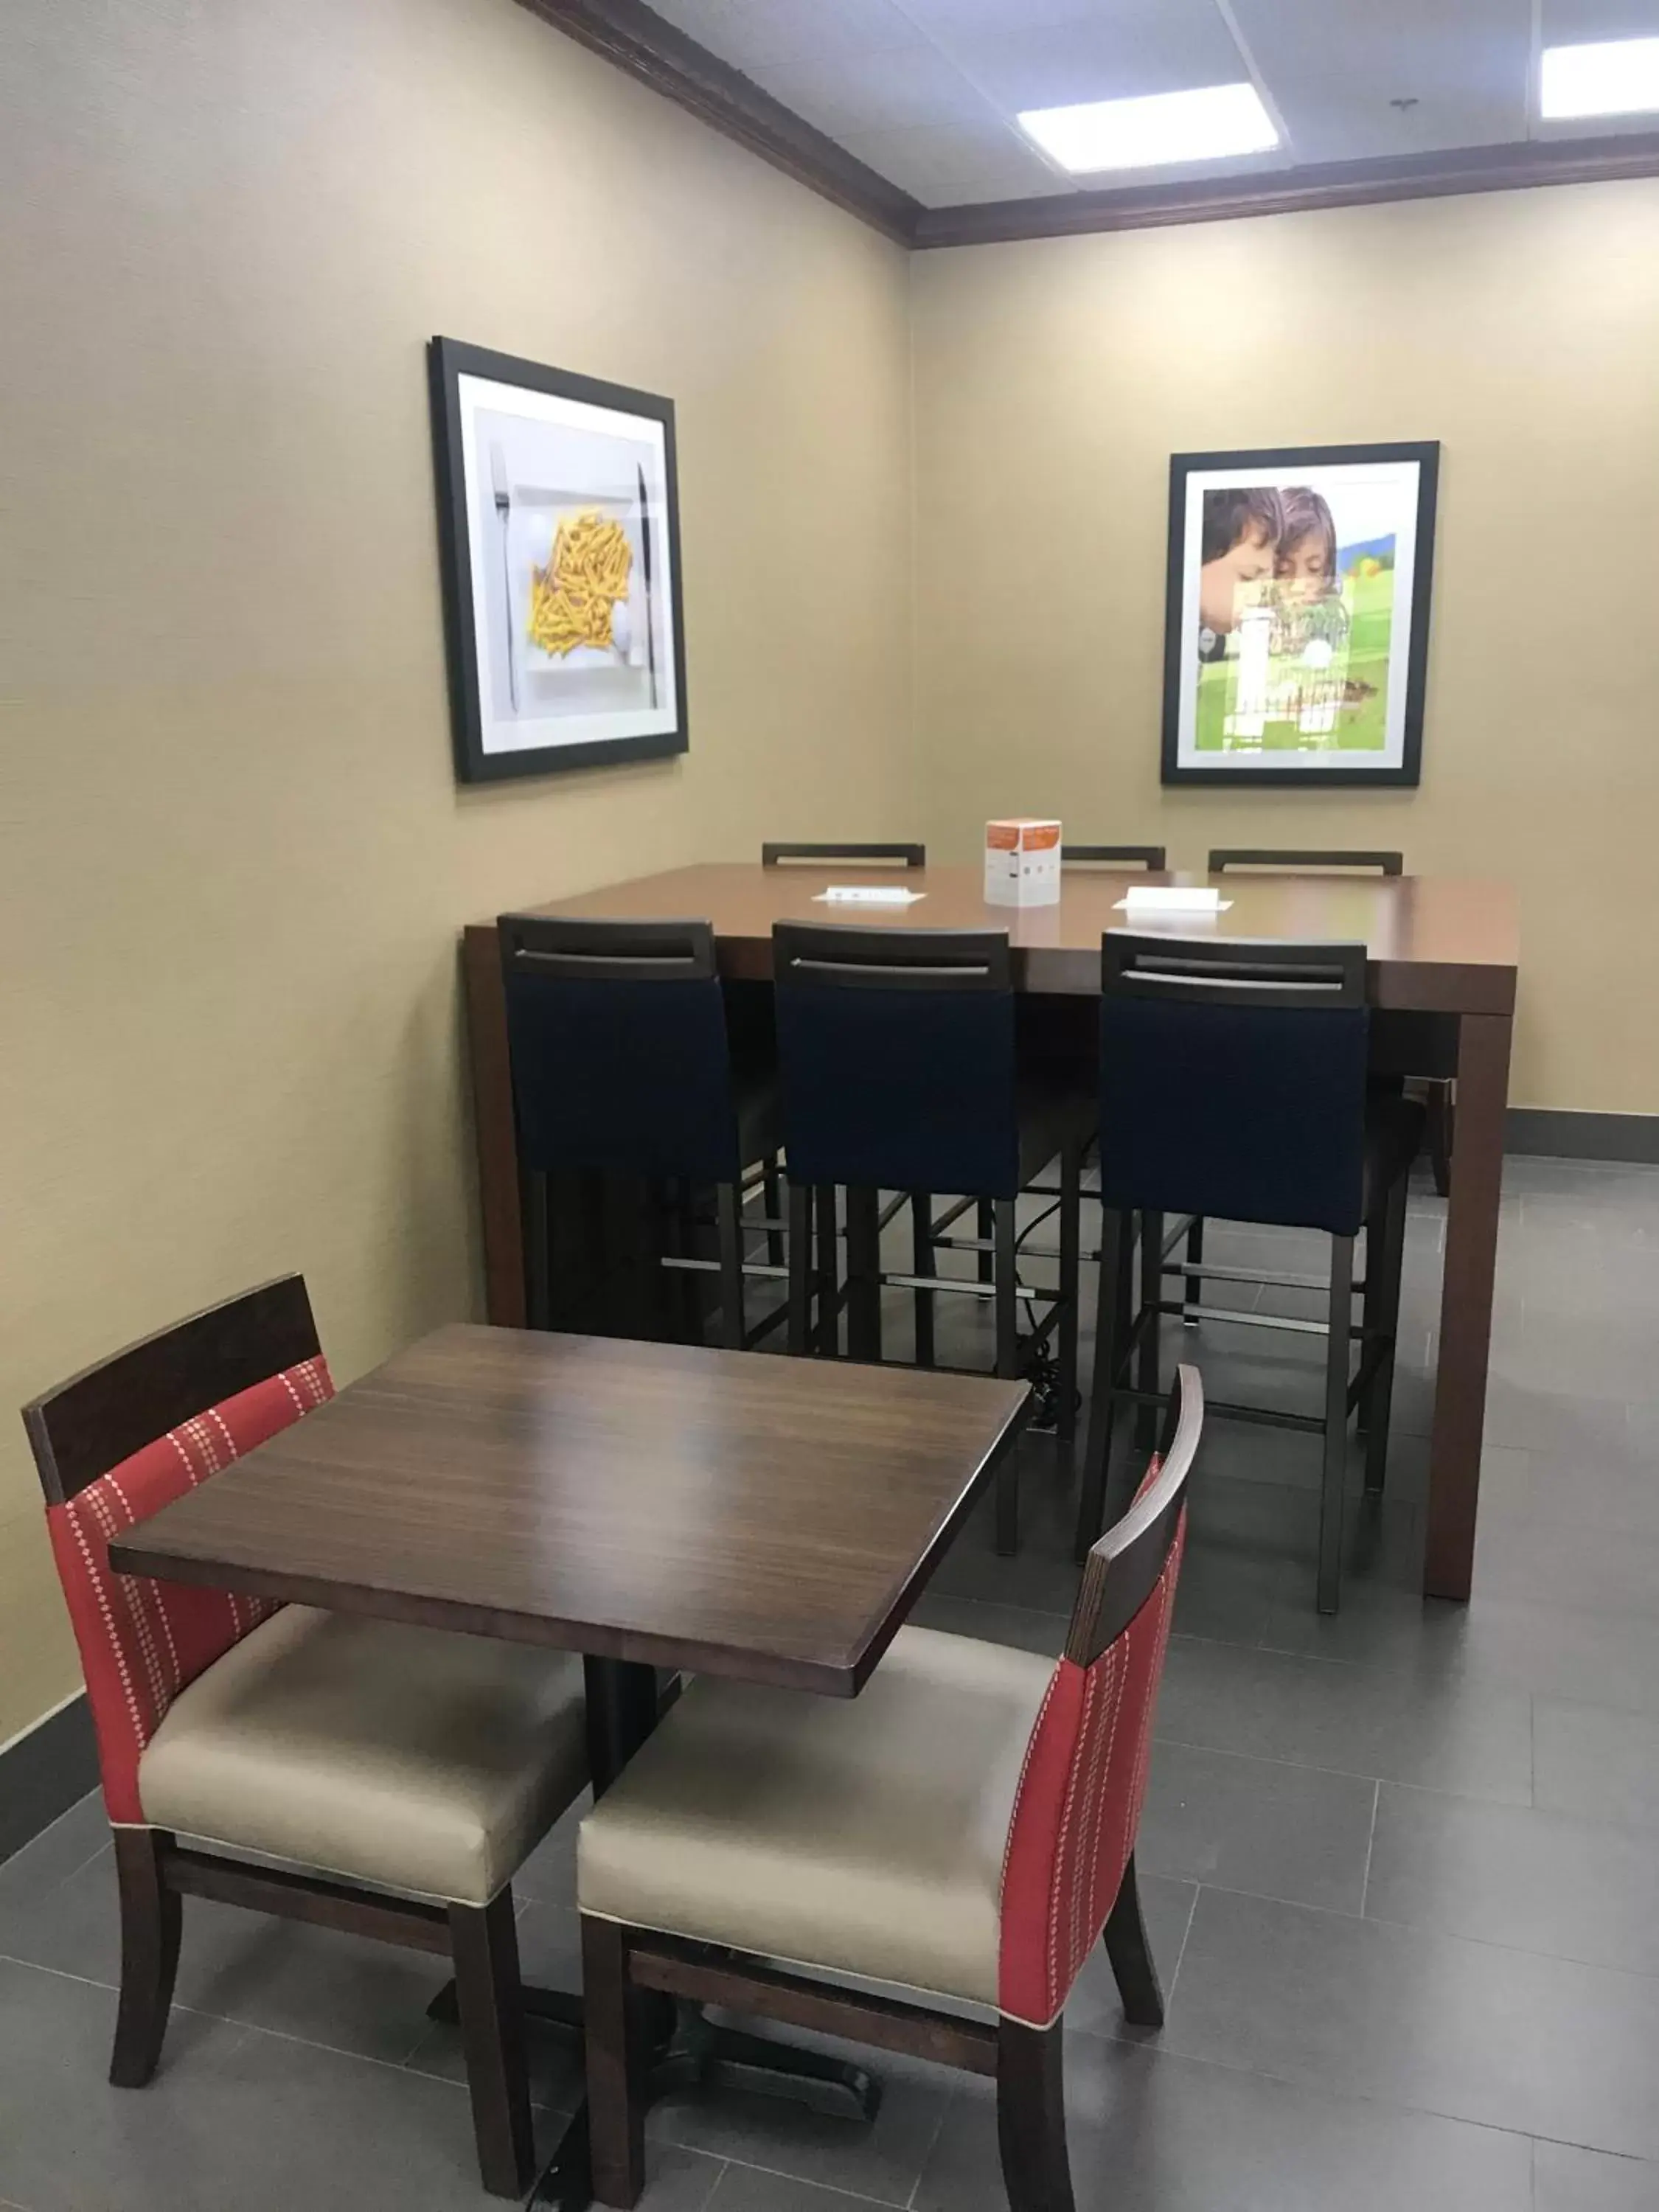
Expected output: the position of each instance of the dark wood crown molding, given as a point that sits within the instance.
(1286, 191)
(638, 40)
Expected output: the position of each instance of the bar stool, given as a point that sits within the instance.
(1233, 1084)
(623, 1066)
(1427, 1042)
(898, 1052)
(1154, 858)
(862, 856)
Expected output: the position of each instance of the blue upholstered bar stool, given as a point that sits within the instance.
(623, 1065)
(898, 1055)
(1233, 1085)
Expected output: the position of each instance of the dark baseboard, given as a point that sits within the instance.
(1563, 1135)
(44, 1773)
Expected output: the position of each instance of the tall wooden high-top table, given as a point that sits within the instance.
(1438, 947)
(646, 1504)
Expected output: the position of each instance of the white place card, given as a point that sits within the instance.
(867, 895)
(1149, 900)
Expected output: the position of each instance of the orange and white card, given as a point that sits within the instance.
(1022, 862)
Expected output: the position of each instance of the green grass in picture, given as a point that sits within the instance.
(1362, 726)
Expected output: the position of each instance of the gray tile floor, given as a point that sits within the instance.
(1404, 1865)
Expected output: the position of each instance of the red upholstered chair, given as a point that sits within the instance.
(414, 1770)
(965, 1829)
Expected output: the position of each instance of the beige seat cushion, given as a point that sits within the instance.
(864, 1836)
(410, 1758)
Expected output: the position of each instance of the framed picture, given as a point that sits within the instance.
(1296, 629)
(558, 530)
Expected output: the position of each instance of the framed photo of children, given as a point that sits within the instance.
(559, 540)
(1296, 629)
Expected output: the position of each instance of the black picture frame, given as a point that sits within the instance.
(1259, 771)
(450, 359)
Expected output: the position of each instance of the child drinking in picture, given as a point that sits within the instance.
(1306, 553)
(1239, 549)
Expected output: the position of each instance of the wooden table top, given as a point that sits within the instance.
(1437, 944)
(771, 1519)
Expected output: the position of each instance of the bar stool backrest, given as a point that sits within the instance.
(1153, 857)
(617, 1040)
(896, 1050)
(1233, 1079)
(901, 856)
(1222, 857)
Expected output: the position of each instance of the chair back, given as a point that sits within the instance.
(1078, 1807)
(117, 1444)
(862, 856)
(1222, 857)
(896, 1052)
(618, 1041)
(1232, 1079)
(1152, 857)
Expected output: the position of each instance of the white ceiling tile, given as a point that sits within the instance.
(973, 18)
(751, 33)
(945, 164)
(878, 91)
(1138, 49)
(1466, 64)
(1574, 23)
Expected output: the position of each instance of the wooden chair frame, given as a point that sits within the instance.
(622, 1965)
(79, 1432)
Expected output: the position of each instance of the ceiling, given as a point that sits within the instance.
(926, 92)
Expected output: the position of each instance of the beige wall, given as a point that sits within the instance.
(1054, 381)
(232, 859)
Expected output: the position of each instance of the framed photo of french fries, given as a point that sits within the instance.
(559, 543)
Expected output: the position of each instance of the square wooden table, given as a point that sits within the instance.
(1443, 960)
(649, 1505)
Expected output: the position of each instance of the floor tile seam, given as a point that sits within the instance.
(1370, 1848)
(781, 2173)
(1265, 1758)
(1337, 2092)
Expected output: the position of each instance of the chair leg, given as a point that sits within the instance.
(1110, 1320)
(616, 2071)
(1071, 1204)
(801, 1269)
(731, 1236)
(1004, 1231)
(489, 1998)
(1131, 1954)
(1192, 1290)
(829, 1274)
(864, 1274)
(1334, 1484)
(772, 1196)
(986, 1218)
(1442, 1121)
(1385, 1258)
(1037, 2172)
(1149, 1369)
(921, 1231)
(151, 1920)
(537, 1266)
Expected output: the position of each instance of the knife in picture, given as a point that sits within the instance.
(650, 625)
(503, 507)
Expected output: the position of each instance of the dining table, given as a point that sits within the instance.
(657, 1508)
(1441, 971)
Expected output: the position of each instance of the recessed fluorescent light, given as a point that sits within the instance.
(1163, 127)
(1615, 77)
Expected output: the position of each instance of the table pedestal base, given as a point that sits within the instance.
(699, 2054)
